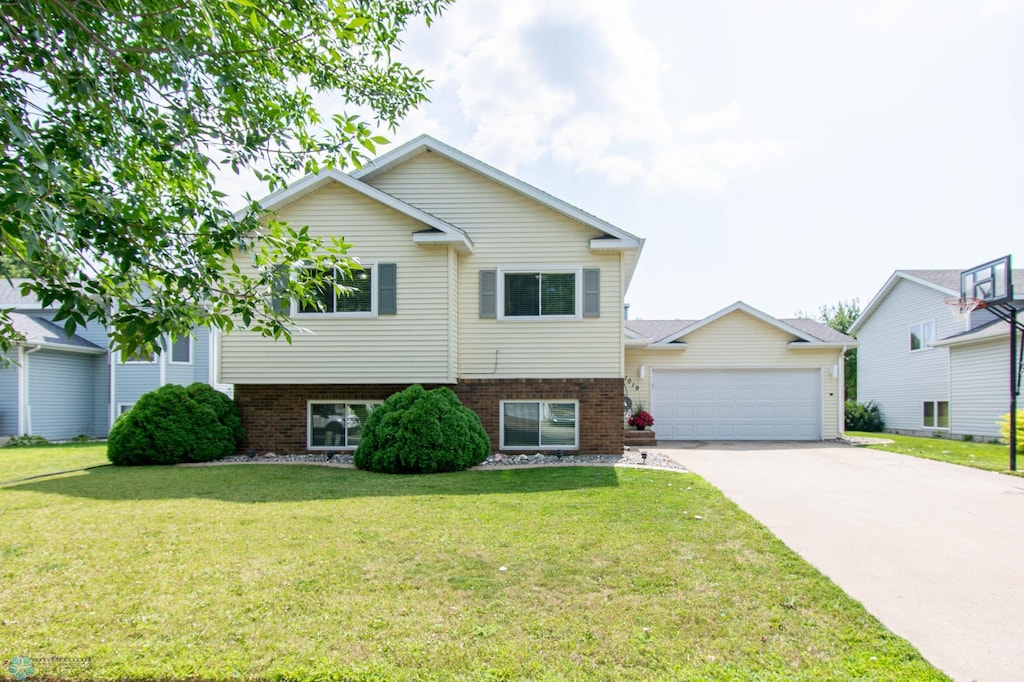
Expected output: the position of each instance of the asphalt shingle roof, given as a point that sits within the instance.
(38, 330)
(656, 330)
(950, 279)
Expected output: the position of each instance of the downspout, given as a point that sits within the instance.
(113, 387)
(24, 396)
(165, 349)
(841, 390)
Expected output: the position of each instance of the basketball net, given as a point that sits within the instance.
(961, 308)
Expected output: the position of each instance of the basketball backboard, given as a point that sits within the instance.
(990, 282)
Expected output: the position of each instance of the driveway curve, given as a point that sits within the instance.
(935, 551)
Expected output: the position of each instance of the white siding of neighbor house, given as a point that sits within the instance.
(412, 346)
(511, 230)
(739, 341)
(888, 372)
(979, 387)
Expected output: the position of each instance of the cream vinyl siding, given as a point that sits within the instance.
(979, 387)
(888, 372)
(412, 346)
(511, 231)
(739, 341)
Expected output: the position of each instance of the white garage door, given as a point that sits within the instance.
(780, 404)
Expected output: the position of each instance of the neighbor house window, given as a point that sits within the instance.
(123, 407)
(548, 424)
(358, 298)
(540, 294)
(936, 414)
(181, 351)
(336, 424)
(922, 336)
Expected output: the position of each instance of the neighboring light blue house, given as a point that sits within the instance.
(61, 386)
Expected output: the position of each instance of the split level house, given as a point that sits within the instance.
(927, 372)
(475, 280)
(60, 386)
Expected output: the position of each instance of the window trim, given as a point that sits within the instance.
(921, 325)
(575, 270)
(122, 408)
(539, 401)
(191, 351)
(935, 415)
(371, 266)
(332, 401)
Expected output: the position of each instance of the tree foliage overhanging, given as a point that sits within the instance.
(115, 115)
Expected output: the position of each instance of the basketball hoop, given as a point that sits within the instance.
(961, 308)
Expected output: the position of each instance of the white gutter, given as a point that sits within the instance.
(24, 406)
(112, 400)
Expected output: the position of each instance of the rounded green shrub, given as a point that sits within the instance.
(417, 431)
(175, 424)
(863, 417)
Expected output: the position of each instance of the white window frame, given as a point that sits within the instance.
(371, 267)
(575, 270)
(576, 425)
(123, 407)
(921, 326)
(935, 415)
(170, 351)
(332, 401)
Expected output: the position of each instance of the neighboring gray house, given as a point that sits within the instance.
(60, 386)
(928, 373)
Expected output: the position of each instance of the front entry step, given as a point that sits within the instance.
(640, 439)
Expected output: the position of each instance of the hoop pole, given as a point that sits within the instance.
(1013, 388)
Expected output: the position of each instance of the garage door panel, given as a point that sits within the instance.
(737, 405)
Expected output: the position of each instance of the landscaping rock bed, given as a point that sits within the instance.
(629, 458)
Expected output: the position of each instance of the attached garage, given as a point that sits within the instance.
(738, 374)
(748, 404)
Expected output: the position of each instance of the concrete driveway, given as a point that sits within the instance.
(935, 551)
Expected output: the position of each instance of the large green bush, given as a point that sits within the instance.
(176, 424)
(417, 431)
(863, 417)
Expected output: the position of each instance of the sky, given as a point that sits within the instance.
(790, 154)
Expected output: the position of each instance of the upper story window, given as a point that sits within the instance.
(523, 293)
(358, 299)
(922, 336)
(539, 294)
(181, 351)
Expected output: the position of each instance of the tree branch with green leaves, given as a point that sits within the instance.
(115, 118)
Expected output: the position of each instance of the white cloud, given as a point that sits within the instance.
(580, 82)
(994, 8)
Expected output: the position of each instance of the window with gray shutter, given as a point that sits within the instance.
(488, 293)
(387, 289)
(591, 293)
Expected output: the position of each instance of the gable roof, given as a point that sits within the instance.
(439, 231)
(38, 331)
(664, 333)
(943, 281)
(612, 237)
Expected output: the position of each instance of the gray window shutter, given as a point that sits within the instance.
(280, 302)
(591, 293)
(387, 289)
(489, 293)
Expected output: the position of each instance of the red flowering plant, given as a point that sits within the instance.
(641, 419)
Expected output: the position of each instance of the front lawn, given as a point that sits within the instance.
(989, 456)
(16, 463)
(304, 572)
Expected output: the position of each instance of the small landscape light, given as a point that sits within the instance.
(643, 456)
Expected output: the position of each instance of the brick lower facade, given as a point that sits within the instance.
(275, 415)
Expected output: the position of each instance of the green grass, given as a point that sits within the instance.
(18, 463)
(988, 456)
(303, 572)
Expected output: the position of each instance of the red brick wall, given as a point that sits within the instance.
(275, 415)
